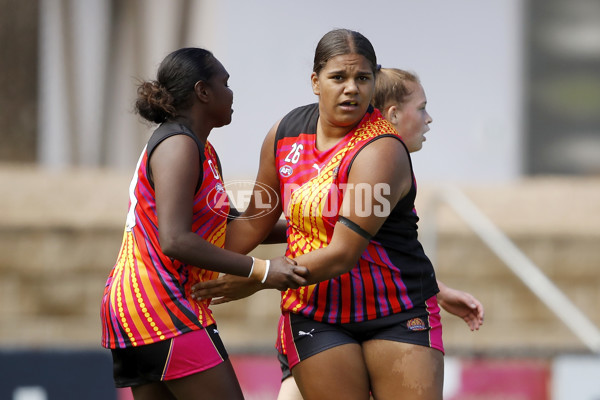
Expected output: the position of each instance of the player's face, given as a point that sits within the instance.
(345, 87)
(222, 96)
(412, 119)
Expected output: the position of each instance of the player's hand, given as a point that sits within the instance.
(225, 289)
(285, 274)
(463, 305)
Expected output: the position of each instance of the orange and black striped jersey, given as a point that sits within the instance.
(147, 294)
(393, 273)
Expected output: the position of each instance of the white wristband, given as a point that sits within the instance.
(266, 272)
(251, 268)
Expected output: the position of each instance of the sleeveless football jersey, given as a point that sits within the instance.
(147, 294)
(393, 273)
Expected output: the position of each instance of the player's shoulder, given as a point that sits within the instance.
(384, 147)
(301, 119)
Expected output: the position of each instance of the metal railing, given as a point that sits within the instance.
(517, 262)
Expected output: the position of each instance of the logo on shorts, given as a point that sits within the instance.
(416, 324)
(302, 333)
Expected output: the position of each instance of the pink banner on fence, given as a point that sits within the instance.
(503, 379)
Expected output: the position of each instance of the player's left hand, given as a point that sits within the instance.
(225, 289)
(463, 305)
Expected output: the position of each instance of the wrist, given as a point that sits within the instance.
(259, 270)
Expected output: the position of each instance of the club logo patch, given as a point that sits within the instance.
(286, 171)
(219, 188)
(416, 324)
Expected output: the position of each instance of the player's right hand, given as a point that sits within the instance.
(285, 274)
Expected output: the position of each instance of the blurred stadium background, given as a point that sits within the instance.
(509, 179)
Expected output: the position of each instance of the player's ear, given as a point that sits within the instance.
(392, 114)
(314, 80)
(201, 91)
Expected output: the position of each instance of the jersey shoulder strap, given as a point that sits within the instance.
(166, 130)
(300, 120)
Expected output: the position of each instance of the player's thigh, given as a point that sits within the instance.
(405, 371)
(336, 373)
(152, 391)
(289, 390)
(219, 382)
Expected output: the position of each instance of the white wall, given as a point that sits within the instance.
(467, 53)
(576, 377)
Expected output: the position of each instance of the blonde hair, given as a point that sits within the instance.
(390, 87)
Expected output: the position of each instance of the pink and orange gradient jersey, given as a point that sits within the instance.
(147, 294)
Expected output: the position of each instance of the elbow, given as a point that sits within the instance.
(347, 258)
(343, 255)
(170, 246)
(345, 264)
(339, 265)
